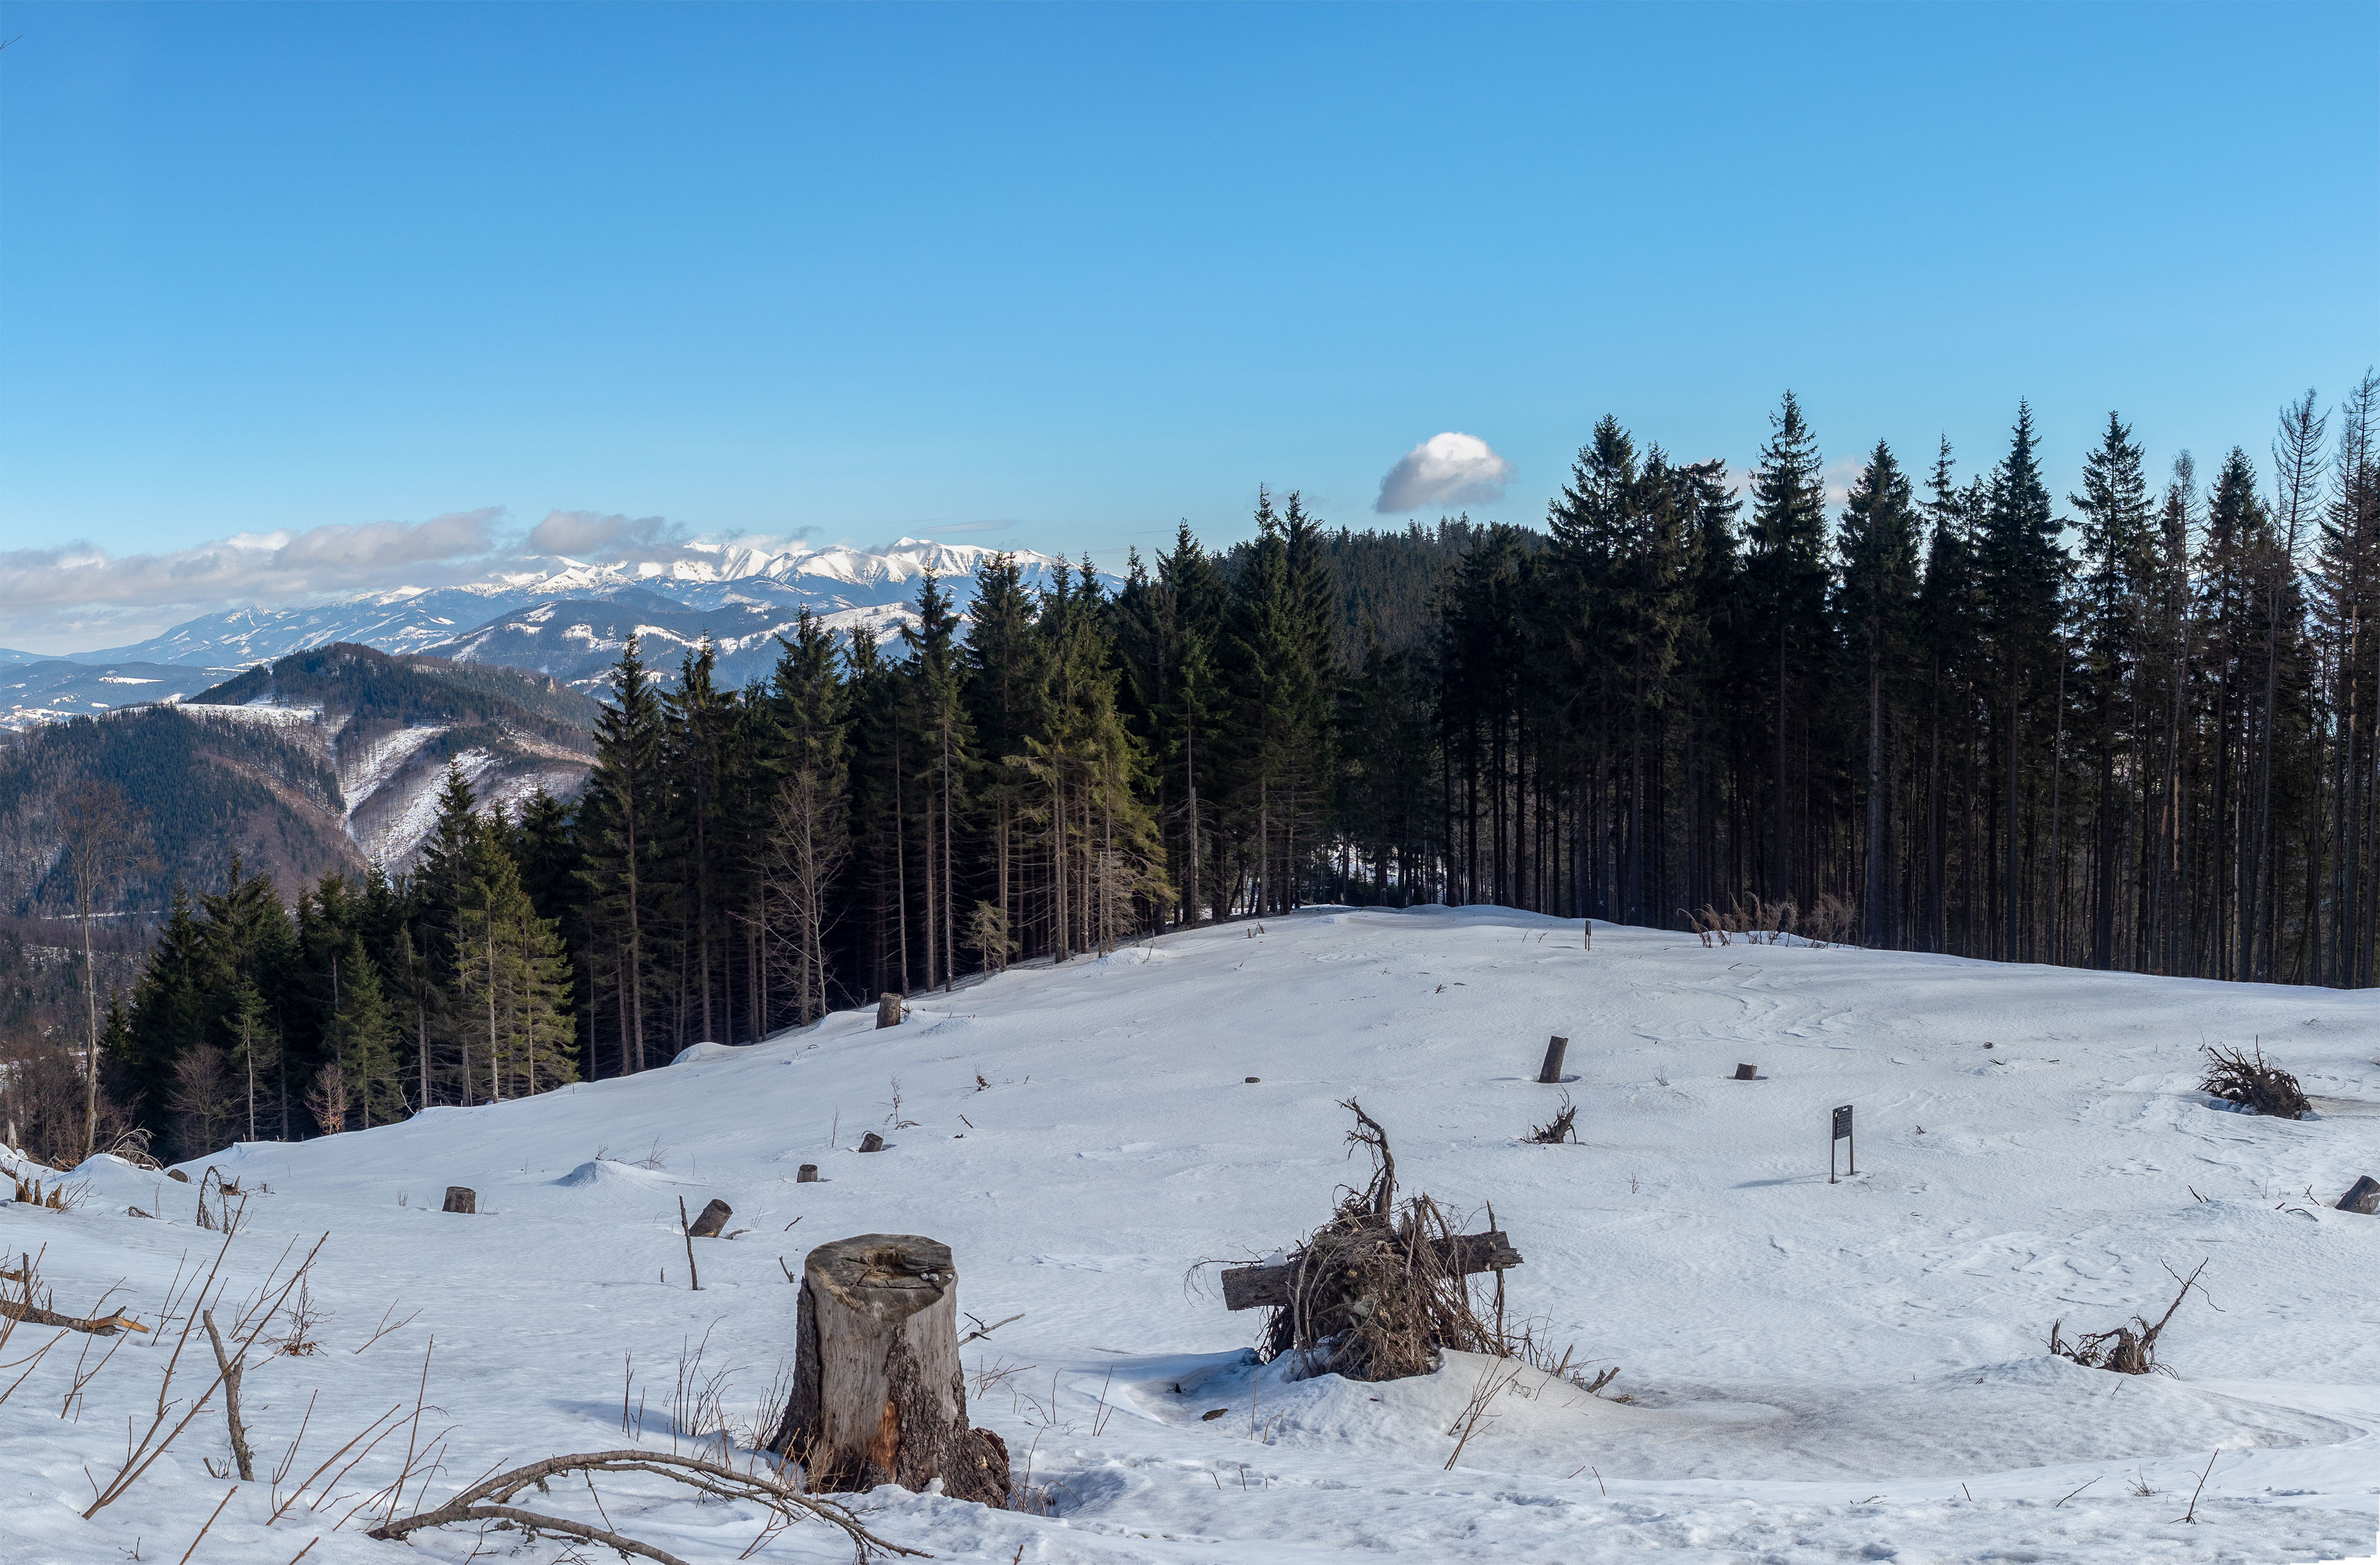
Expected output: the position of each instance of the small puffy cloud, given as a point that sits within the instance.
(1446, 469)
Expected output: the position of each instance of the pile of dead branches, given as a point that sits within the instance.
(2247, 1078)
(2130, 1349)
(1377, 1292)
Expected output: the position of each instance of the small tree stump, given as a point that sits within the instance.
(1555, 1048)
(714, 1217)
(872, 1142)
(177, 1176)
(889, 1010)
(1747, 1072)
(2364, 1197)
(879, 1396)
(461, 1199)
(807, 1174)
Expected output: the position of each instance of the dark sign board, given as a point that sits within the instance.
(1844, 1123)
(1843, 1133)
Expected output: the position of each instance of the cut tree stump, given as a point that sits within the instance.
(807, 1174)
(872, 1142)
(879, 1396)
(1747, 1072)
(460, 1198)
(1551, 1072)
(2364, 1197)
(889, 1010)
(714, 1217)
(1268, 1287)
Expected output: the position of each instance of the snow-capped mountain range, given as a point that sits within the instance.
(753, 593)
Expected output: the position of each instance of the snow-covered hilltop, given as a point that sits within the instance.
(1818, 1372)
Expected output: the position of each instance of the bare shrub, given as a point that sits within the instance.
(2130, 1349)
(327, 1100)
(205, 1100)
(2247, 1078)
(1830, 921)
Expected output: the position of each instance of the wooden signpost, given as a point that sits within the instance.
(1843, 1133)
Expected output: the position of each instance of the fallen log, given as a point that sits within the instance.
(103, 1326)
(1268, 1287)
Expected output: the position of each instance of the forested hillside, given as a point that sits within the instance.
(1947, 713)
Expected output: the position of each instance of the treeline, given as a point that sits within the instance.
(1944, 713)
(2135, 730)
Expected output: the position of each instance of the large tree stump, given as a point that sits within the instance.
(461, 1198)
(2363, 1197)
(888, 1010)
(713, 1219)
(879, 1396)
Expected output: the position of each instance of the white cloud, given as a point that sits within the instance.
(594, 535)
(1446, 469)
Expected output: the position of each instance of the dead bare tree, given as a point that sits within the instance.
(101, 842)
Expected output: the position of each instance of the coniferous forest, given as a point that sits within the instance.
(2130, 727)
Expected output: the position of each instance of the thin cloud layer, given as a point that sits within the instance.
(338, 556)
(79, 589)
(1451, 468)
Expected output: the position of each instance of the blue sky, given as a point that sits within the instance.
(1059, 276)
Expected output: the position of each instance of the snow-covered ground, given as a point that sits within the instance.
(1819, 1372)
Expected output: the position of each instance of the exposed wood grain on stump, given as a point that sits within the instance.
(460, 1198)
(879, 1396)
(1268, 1287)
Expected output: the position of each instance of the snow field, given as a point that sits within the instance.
(1819, 1373)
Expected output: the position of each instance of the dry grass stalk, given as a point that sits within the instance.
(142, 1451)
(488, 1500)
(2130, 1349)
(2254, 1083)
(1830, 920)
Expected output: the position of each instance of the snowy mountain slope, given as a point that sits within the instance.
(701, 576)
(578, 642)
(388, 726)
(1820, 1372)
(52, 689)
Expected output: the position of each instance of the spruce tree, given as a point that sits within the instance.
(1876, 602)
(1785, 574)
(620, 817)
